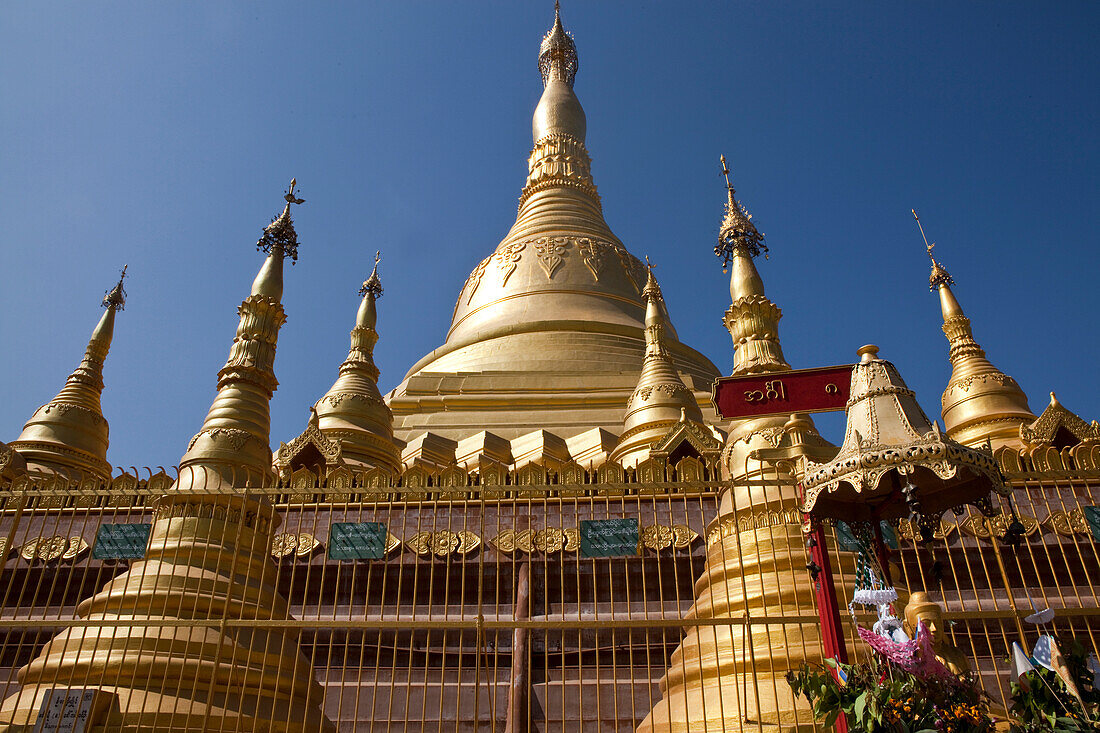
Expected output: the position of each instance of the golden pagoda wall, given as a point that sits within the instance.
(423, 638)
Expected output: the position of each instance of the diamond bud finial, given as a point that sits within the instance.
(373, 285)
(280, 234)
(737, 231)
(116, 296)
(940, 275)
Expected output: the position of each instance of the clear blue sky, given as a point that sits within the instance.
(163, 135)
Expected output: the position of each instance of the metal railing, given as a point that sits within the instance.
(476, 607)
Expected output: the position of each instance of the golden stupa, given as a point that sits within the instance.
(546, 526)
(548, 330)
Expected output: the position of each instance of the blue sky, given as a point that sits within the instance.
(163, 135)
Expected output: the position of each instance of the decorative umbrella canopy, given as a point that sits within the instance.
(894, 461)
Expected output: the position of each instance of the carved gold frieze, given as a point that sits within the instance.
(592, 251)
(559, 159)
(1068, 523)
(752, 521)
(49, 548)
(551, 540)
(660, 537)
(302, 544)
(912, 534)
(549, 251)
(506, 258)
(473, 281)
(443, 543)
(634, 268)
(198, 508)
(511, 540)
(981, 527)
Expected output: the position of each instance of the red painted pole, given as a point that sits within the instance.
(828, 610)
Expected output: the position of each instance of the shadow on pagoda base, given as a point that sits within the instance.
(206, 562)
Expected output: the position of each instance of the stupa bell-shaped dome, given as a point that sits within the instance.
(560, 268)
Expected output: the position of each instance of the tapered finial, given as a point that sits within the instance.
(280, 232)
(558, 53)
(939, 275)
(373, 285)
(289, 195)
(737, 231)
(116, 296)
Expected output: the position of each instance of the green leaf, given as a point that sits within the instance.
(861, 705)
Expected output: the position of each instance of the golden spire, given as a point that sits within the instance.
(558, 53)
(980, 402)
(558, 300)
(70, 432)
(752, 319)
(352, 411)
(559, 110)
(660, 399)
(233, 443)
(737, 232)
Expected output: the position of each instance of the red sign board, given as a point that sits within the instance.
(781, 393)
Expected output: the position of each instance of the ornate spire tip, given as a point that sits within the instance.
(116, 296)
(372, 286)
(289, 195)
(558, 53)
(737, 231)
(280, 234)
(939, 276)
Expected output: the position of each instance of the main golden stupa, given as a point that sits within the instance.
(546, 526)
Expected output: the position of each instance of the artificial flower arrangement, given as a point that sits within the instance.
(879, 697)
(923, 684)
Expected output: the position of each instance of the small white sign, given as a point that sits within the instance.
(65, 710)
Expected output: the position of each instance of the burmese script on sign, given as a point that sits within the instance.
(782, 393)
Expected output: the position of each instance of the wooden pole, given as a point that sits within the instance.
(518, 709)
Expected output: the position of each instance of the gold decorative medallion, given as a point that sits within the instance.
(442, 543)
(392, 543)
(657, 536)
(683, 536)
(29, 550)
(77, 547)
(306, 544)
(52, 548)
(1068, 523)
(467, 542)
(284, 545)
(978, 526)
(909, 532)
(510, 541)
(420, 543)
(549, 540)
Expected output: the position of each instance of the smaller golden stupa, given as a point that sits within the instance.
(981, 403)
(68, 434)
